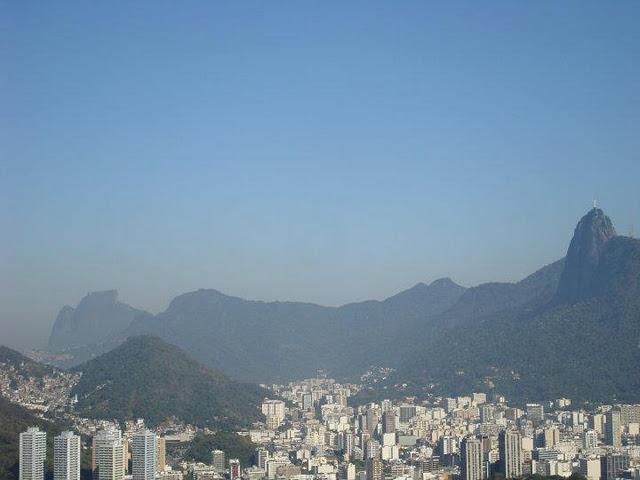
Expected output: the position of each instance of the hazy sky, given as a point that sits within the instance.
(324, 151)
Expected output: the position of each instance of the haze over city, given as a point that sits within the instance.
(322, 240)
(322, 152)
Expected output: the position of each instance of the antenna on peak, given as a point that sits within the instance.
(595, 203)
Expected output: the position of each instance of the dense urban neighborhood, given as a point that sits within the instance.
(313, 430)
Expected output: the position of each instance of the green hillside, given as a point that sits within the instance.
(582, 344)
(146, 377)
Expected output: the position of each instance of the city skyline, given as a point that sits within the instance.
(401, 439)
(326, 240)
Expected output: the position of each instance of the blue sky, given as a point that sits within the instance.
(321, 151)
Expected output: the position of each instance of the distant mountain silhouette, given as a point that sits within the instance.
(98, 318)
(268, 341)
(253, 340)
(571, 328)
(490, 298)
(275, 341)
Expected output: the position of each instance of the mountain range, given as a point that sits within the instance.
(267, 341)
(259, 341)
(582, 342)
(571, 328)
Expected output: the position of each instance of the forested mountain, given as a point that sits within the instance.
(292, 340)
(267, 341)
(262, 341)
(234, 446)
(279, 341)
(583, 343)
(491, 298)
(147, 378)
(558, 331)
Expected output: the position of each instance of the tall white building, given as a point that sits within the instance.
(143, 455)
(33, 454)
(471, 456)
(510, 447)
(66, 456)
(109, 455)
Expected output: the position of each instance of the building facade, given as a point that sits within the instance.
(510, 448)
(66, 457)
(471, 457)
(109, 455)
(144, 449)
(33, 454)
(613, 429)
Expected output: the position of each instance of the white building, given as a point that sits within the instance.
(109, 455)
(143, 455)
(510, 448)
(66, 457)
(274, 411)
(33, 454)
(471, 453)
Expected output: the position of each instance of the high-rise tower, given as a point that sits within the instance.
(389, 422)
(108, 455)
(471, 456)
(144, 455)
(510, 447)
(33, 454)
(66, 456)
(612, 429)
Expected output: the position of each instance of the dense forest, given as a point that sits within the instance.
(148, 378)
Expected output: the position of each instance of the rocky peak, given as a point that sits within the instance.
(583, 257)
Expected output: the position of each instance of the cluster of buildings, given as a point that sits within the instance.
(48, 393)
(33, 455)
(320, 436)
(114, 455)
(216, 470)
(313, 432)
